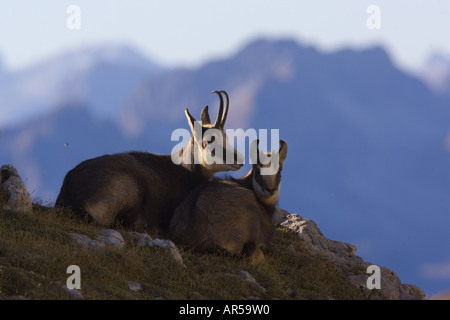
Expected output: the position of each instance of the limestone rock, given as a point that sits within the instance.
(145, 240)
(316, 242)
(247, 277)
(134, 286)
(105, 237)
(85, 241)
(110, 238)
(113, 238)
(279, 216)
(391, 286)
(19, 199)
(73, 292)
(413, 290)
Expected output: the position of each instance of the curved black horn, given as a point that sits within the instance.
(220, 114)
(225, 111)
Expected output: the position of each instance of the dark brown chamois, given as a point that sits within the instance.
(141, 189)
(233, 214)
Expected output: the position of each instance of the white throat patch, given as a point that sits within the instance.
(263, 196)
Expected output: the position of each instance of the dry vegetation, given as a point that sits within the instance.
(36, 249)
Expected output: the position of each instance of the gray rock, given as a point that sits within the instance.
(170, 248)
(19, 199)
(105, 237)
(316, 242)
(247, 277)
(145, 240)
(74, 292)
(391, 286)
(134, 286)
(111, 238)
(279, 216)
(86, 242)
(81, 239)
(413, 291)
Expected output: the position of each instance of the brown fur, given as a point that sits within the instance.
(230, 215)
(138, 189)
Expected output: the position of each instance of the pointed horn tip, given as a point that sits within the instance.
(186, 111)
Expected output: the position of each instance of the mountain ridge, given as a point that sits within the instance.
(366, 141)
(108, 71)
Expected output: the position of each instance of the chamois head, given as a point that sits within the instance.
(209, 145)
(266, 183)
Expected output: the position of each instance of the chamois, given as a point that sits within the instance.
(232, 214)
(140, 189)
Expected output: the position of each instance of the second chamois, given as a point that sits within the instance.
(232, 214)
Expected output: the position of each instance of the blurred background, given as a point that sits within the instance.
(360, 93)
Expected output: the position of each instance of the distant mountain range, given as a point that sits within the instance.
(369, 145)
(99, 76)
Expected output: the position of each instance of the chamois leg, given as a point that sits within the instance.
(101, 212)
(119, 201)
(232, 248)
(253, 253)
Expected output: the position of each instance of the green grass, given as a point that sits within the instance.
(36, 249)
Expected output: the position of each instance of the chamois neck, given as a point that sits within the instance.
(186, 157)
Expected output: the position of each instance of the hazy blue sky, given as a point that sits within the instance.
(188, 32)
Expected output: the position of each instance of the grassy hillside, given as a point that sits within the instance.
(36, 249)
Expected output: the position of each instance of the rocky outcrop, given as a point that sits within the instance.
(17, 197)
(343, 255)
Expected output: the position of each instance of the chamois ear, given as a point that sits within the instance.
(283, 151)
(205, 116)
(191, 120)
